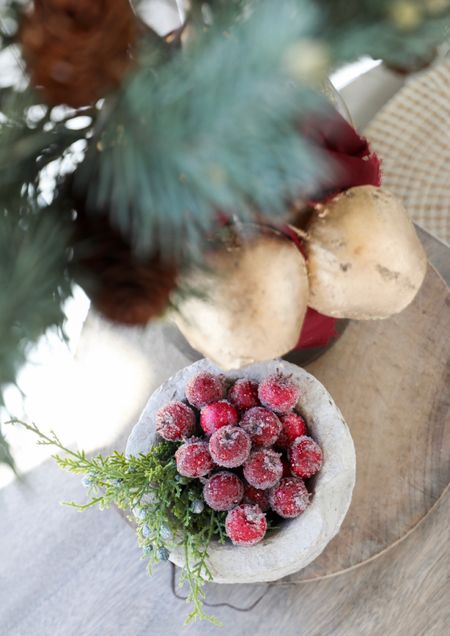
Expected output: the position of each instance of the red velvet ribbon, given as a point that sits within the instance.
(354, 164)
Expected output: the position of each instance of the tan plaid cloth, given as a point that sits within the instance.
(411, 134)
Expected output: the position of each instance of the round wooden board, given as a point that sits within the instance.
(391, 380)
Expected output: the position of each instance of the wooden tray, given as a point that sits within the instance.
(391, 380)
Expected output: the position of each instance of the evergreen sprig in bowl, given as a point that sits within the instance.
(293, 543)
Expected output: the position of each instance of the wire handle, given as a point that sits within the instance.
(173, 585)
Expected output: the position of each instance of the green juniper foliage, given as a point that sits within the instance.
(165, 506)
(212, 126)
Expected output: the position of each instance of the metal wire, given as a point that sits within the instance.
(173, 585)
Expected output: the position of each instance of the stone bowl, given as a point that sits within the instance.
(298, 541)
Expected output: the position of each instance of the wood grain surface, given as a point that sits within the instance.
(65, 573)
(391, 380)
(69, 574)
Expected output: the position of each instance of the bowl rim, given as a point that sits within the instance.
(299, 541)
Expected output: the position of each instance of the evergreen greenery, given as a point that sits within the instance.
(162, 502)
(211, 127)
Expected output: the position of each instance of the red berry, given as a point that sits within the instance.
(278, 393)
(174, 421)
(256, 496)
(204, 388)
(246, 525)
(263, 468)
(244, 394)
(262, 425)
(229, 446)
(305, 456)
(214, 416)
(289, 498)
(223, 491)
(293, 426)
(193, 458)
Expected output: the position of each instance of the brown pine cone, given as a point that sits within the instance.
(122, 287)
(78, 50)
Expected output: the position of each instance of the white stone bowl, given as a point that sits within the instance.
(299, 541)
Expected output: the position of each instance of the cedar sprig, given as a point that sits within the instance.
(161, 501)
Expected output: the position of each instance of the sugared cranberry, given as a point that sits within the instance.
(244, 394)
(174, 421)
(246, 525)
(214, 416)
(263, 468)
(278, 393)
(293, 426)
(223, 491)
(229, 446)
(256, 496)
(193, 458)
(305, 456)
(289, 498)
(262, 425)
(204, 388)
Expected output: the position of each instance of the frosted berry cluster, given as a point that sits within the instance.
(248, 446)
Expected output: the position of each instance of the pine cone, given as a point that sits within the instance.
(125, 289)
(78, 50)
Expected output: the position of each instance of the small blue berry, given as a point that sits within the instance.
(181, 480)
(197, 506)
(165, 532)
(146, 532)
(86, 481)
(139, 513)
(162, 554)
(147, 549)
(116, 482)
